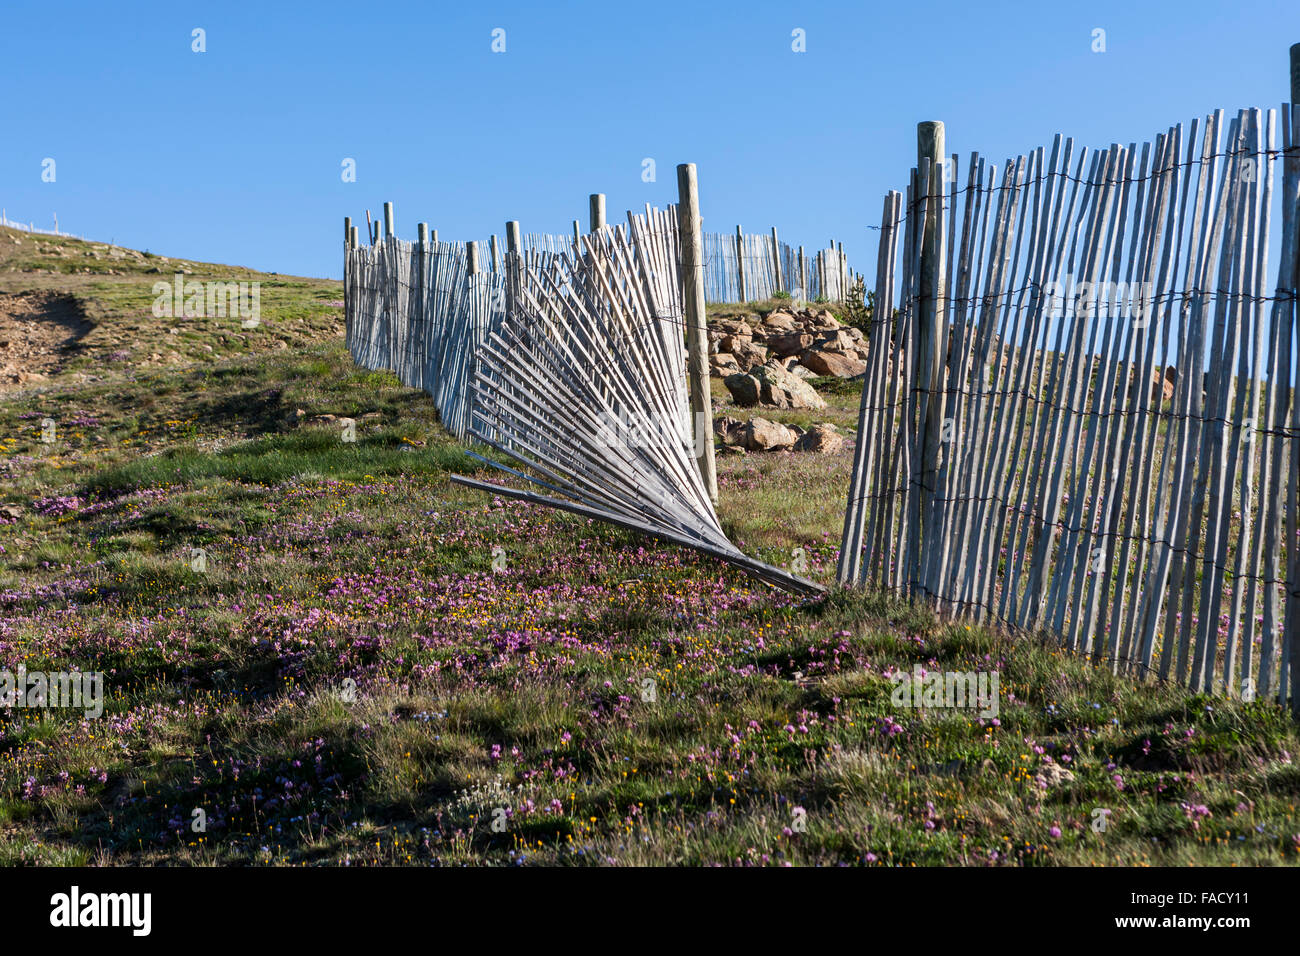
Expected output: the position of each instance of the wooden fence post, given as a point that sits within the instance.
(389, 229)
(740, 263)
(803, 276)
(577, 232)
(597, 204)
(514, 250)
(697, 338)
(347, 231)
(433, 236)
(1291, 614)
(354, 237)
(931, 341)
(1295, 73)
(776, 261)
(471, 258)
(496, 255)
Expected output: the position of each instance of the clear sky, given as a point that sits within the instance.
(234, 154)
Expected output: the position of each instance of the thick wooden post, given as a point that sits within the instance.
(389, 230)
(471, 258)
(776, 261)
(577, 232)
(422, 234)
(1291, 646)
(496, 255)
(931, 341)
(514, 249)
(347, 231)
(597, 203)
(697, 337)
(354, 237)
(740, 264)
(1295, 73)
(433, 236)
(803, 276)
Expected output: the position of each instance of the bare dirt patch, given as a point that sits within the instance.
(38, 332)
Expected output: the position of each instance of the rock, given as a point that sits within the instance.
(853, 332)
(1052, 775)
(790, 343)
(771, 384)
(822, 439)
(732, 326)
(832, 363)
(837, 341)
(780, 320)
(724, 364)
(747, 354)
(1162, 385)
(802, 371)
(728, 430)
(761, 435)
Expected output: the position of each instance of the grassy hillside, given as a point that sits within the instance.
(377, 665)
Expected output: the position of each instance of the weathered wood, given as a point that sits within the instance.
(694, 315)
(1070, 494)
(597, 211)
(740, 264)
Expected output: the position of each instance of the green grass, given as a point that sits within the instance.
(375, 661)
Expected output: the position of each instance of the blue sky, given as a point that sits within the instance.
(233, 155)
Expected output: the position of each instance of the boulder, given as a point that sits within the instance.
(791, 343)
(747, 354)
(724, 364)
(732, 326)
(1162, 388)
(822, 439)
(761, 435)
(780, 320)
(832, 363)
(771, 384)
(729, 430)
(729, 341)
(837, 341)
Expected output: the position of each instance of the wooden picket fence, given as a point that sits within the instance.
(422, 309)
(417, 310)
(1018, 459)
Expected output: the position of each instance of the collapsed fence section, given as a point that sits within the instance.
(584, 384)
(1080, 417)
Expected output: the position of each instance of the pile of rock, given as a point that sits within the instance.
(758, 434)
(806, 342)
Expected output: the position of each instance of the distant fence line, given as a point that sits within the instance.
(1025, 456)
(31, 228)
